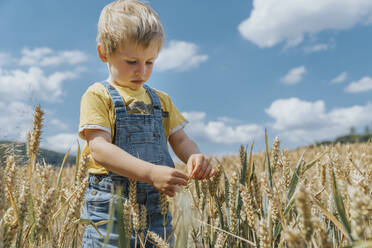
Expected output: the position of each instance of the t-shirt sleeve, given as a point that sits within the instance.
(176, 120)
(94, 111)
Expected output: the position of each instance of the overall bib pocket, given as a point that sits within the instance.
(145, 146)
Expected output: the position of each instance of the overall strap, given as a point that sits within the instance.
(155, 101)
(116, 98)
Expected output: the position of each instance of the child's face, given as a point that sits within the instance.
(132, 66)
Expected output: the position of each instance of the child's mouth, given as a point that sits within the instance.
(137, 81)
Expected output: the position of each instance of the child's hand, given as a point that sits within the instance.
(166, 179)
(198, 167)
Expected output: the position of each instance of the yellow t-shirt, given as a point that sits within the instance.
(97, 112)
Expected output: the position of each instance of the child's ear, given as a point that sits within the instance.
(101, 53)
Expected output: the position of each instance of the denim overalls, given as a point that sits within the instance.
(142, 136)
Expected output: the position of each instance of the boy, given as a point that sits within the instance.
(127, 124)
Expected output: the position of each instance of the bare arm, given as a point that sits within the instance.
(186, 149)
(182, 145)
(119, 161)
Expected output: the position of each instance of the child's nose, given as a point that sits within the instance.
(141, 70)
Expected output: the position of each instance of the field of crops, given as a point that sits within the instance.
(307, 197)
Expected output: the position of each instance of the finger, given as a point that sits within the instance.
(202, 171)
(179, 181)
(207, 172)
(212, 172)
(180, 174)
(190, 167)
(169, 193)
(198, 164)
(171, 190)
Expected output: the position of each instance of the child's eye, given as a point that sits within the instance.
(149, 62)
(131, 62)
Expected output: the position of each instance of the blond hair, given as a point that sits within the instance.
(126, 22)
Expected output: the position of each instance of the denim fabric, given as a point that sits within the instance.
(142, 136)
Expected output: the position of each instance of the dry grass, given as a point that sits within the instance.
(307, 197)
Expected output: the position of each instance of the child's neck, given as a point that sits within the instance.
(114, 83)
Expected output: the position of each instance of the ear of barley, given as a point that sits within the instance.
(36, 132)
(143, 223)
(76, 202)
(264, 235)
(83, 168)
(242, 154)
(35, 138)
(244, 166)
(275, 150)
(22, 209)
(272, 201)
(215, 180)
(294, 239)
(143, 218)
(43, 214)
(127, 219)
(221, 239)
(164, 206)
(2, 195)
(255, 188)
(233, 204)
(9, 234)
(303, 206)
(161, 243)
(73, 211)
(286, 170)
(248, 206)
(22, 201)
(28, 144)
(136, 217)
(203, 194)
(44, 177)
(360, 208)
(132, 191)
(10, 173)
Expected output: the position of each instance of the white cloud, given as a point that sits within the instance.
(19, 84)
(44, 56)
(316, 48)
(58, 124)
(5, 59)
(293, 113)
(340, 78)
(15, 120)
(303, 122)
(294, 76)
(62, 142)
(271, 23)
(179, 55)
(226, 119)
(220, 132)
(364, 84)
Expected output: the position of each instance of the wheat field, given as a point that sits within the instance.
(318, 196)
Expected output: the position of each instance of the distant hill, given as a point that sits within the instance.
(350, 138)
(19, 149)
(56, 158)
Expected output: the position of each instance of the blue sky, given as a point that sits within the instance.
(301, 69)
